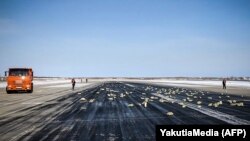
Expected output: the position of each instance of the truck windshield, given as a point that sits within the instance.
(18, 72)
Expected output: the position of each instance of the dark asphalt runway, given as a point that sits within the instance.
(122, 111)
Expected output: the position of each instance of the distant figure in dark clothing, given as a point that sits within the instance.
(224, 83)
(73, 83)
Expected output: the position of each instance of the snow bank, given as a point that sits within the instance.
(3, 84)
(46, 82)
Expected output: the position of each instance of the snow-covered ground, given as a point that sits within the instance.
(2, 84)
(52, 82)
(60, 82)
(69, 85)
(201, 83)
(46, 82)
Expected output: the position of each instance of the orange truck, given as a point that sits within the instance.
(19, 79)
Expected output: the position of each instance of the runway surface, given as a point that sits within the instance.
(113, 111)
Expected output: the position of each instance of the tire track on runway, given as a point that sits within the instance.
(64, 120)
(32, 115)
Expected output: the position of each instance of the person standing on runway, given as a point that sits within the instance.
(73, 83)
(224, 83)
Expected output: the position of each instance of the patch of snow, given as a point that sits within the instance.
(46, 82)
(41, 82)
(68, 85)
(3, 84)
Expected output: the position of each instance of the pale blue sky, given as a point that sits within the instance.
(127, 38)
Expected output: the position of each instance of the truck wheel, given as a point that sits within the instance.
(7, 91)
(31, 91)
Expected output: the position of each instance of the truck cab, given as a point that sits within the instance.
(19, 79)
